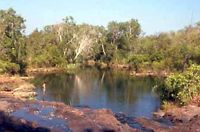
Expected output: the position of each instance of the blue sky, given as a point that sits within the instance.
(154, 15)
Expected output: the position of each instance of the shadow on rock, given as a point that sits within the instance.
(9, 123)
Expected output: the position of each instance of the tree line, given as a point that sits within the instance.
(118, 43)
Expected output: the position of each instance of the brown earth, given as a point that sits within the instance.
(184, 119)
(16, 86)
(44, 70)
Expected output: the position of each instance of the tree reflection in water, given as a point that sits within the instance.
(102, 89)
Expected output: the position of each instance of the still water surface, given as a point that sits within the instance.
(101, 89)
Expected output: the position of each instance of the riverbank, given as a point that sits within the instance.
(17, 111)
(183, 119)
(17, 87)
(128, 69)
(19, 115)
(26, 115)
(32, 71)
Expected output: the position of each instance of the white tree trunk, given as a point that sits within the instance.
(103, 49)
(84, 45)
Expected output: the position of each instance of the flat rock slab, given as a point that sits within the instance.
(22, 115)
(183, 114)
(18, 115)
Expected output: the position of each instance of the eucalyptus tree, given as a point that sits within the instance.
(12, 43)
(124, 34)
(124, 37)
(87, 40)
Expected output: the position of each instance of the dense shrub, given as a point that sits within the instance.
(182, 87)
(136, 61)
(159, 66)
(8, 67)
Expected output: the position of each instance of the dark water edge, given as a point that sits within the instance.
(90, 87)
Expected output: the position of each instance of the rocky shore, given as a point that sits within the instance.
(24, 115)
(183, 119)
(19, 113)
(17, 87)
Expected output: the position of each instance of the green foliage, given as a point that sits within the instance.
(8, 67)
(137, 61)
(159, 66)
(182, 87)
(124, 34)
(120, 42)
(12, 44)
(120, 57)
(157, 56)
(50, 57)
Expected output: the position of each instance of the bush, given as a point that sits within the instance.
(50, 57)
(158, 66)
(8, 67)
(182, 87)
(136, 61)
(120, 57)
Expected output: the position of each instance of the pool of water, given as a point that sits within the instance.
(95, 88)
(42, 115)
